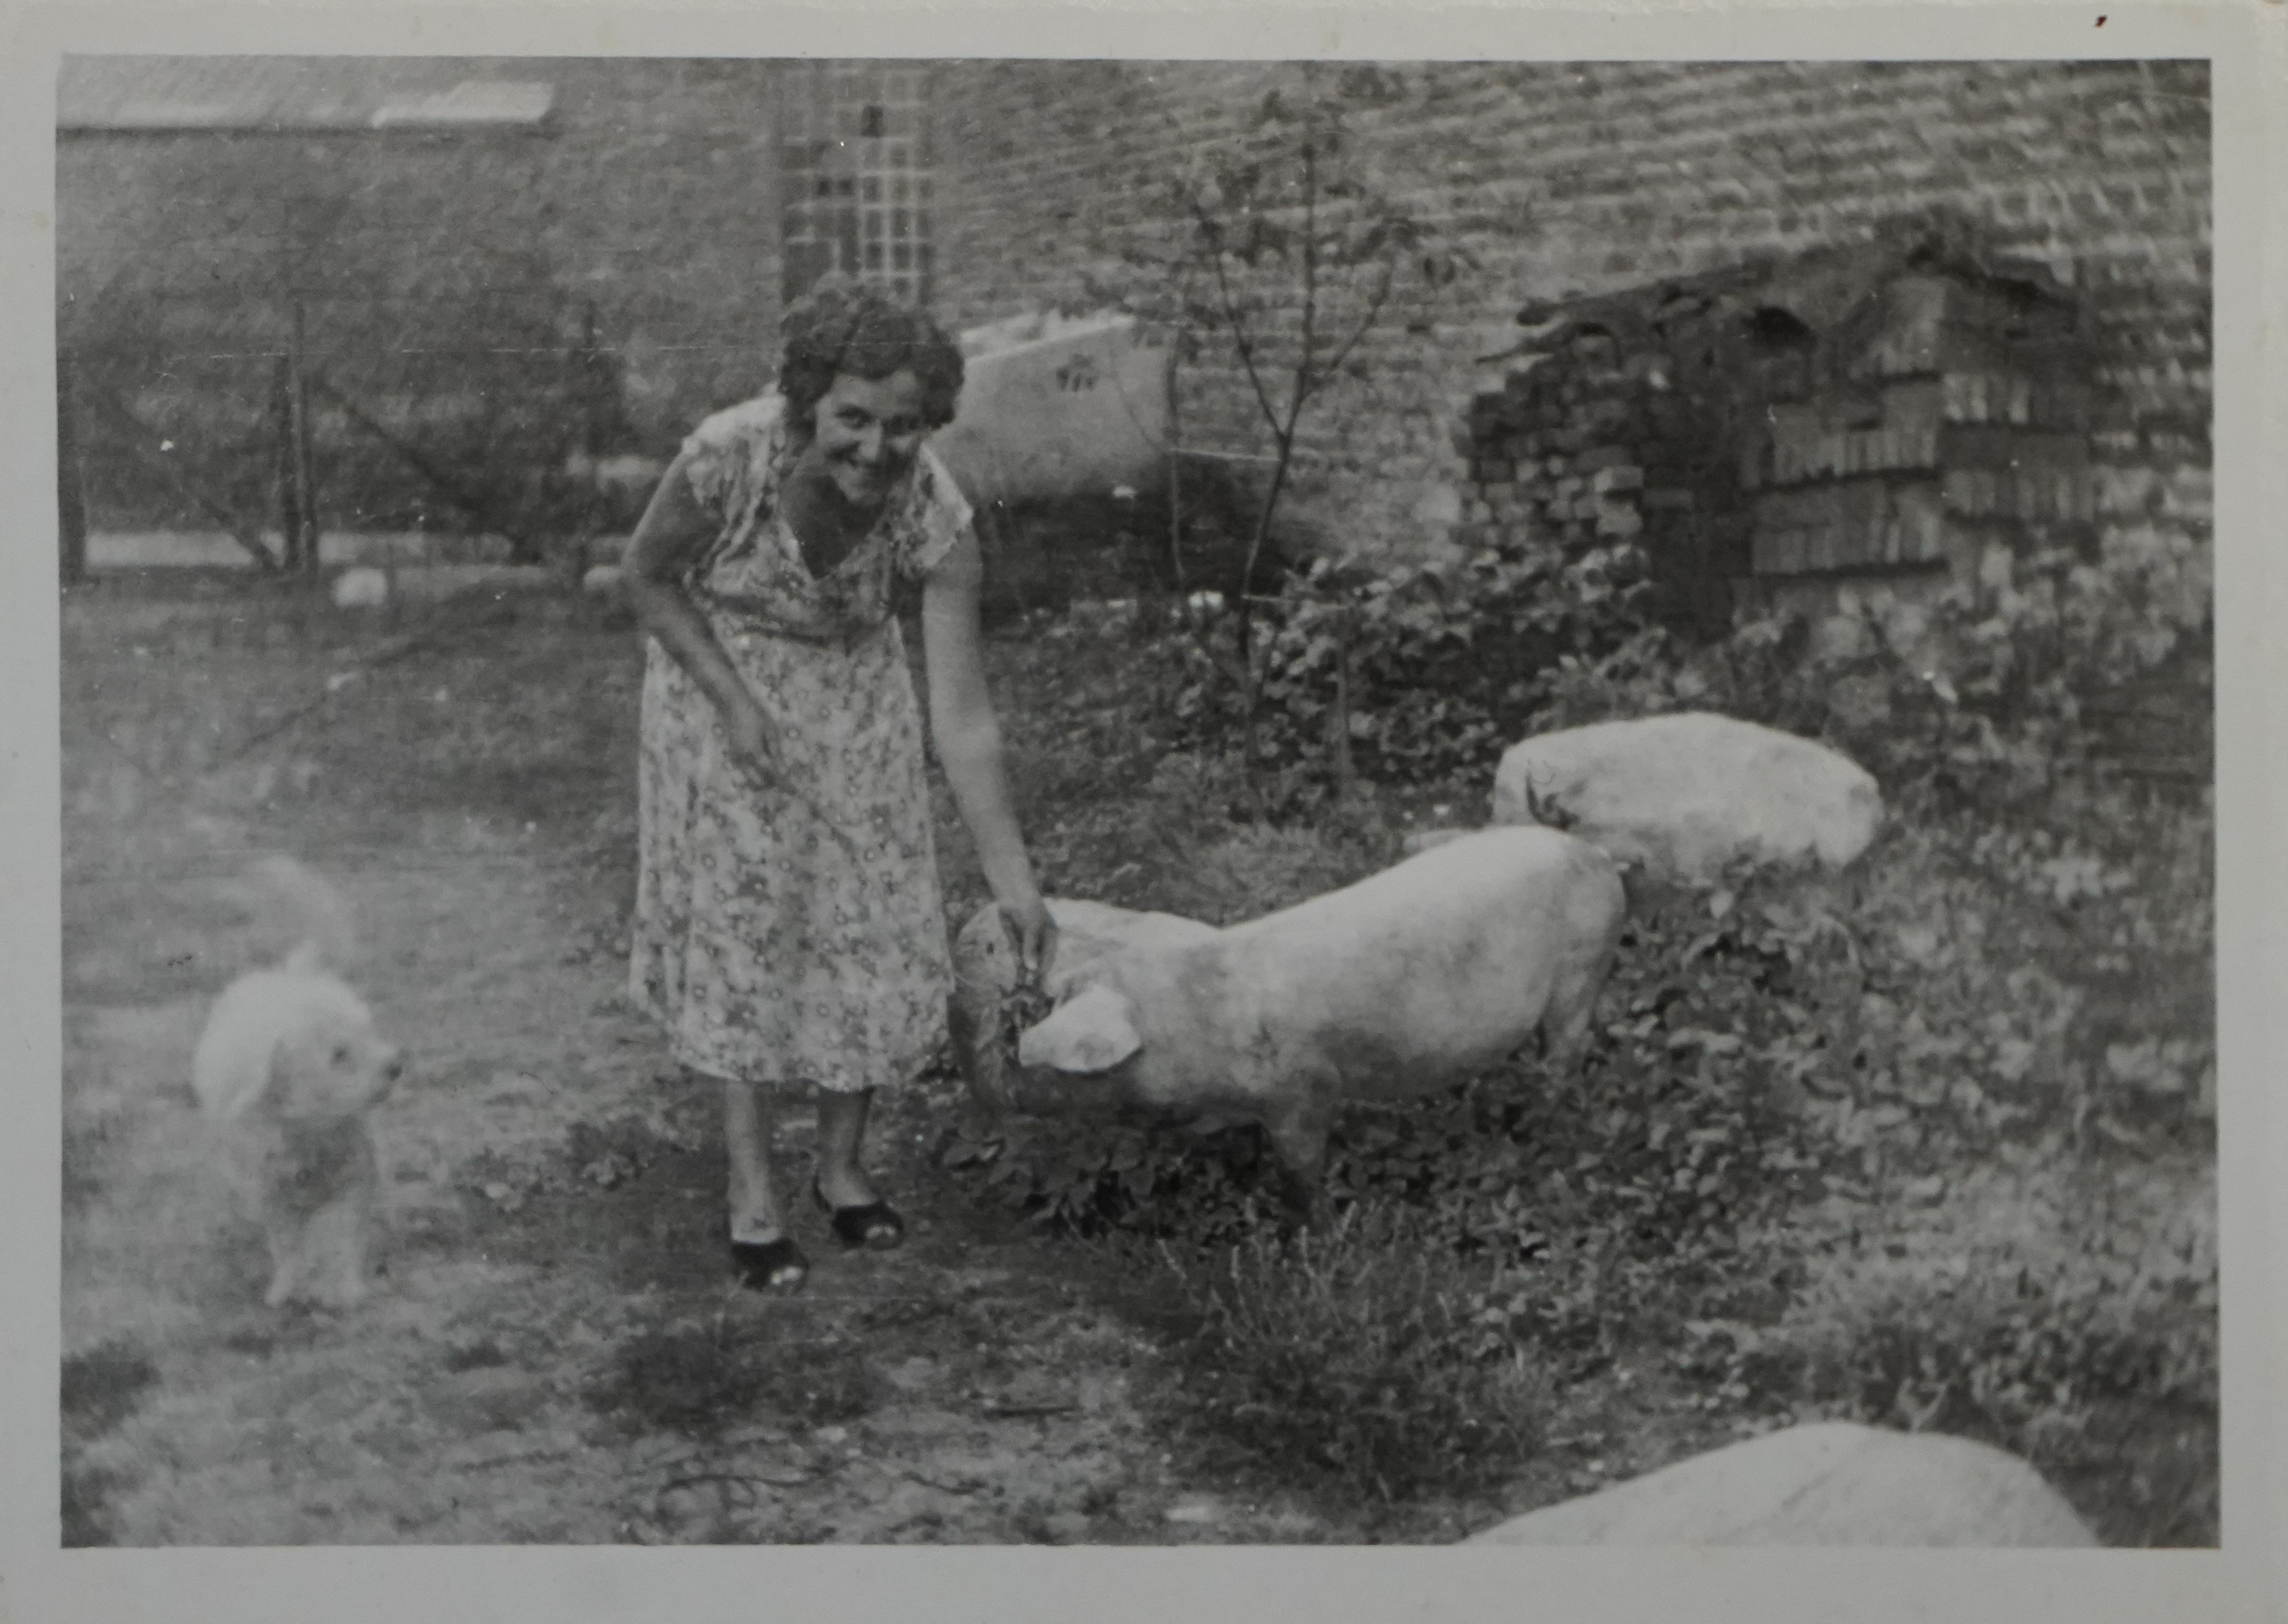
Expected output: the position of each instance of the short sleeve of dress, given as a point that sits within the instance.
(938, 518)
(724, 454)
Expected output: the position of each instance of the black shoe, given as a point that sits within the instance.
(874, 1225)
(770, 1265)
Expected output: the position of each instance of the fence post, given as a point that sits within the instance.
(1168, 383)
(71, 495)
(289, 495)
(302, 545)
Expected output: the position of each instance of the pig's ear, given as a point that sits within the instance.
(1092, 1033)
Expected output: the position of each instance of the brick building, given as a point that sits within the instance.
(649, 221)
(500, 260)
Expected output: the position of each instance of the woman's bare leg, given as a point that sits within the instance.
(841, 1140)
(756, 1214)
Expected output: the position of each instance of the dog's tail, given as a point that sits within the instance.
(297, 908)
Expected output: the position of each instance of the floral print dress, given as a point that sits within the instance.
(794, 932)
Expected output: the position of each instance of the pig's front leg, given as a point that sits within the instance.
(1299, 1138)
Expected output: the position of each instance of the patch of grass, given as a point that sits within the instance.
(1350, 1356)
(700, 1379)
(85, 1500)
(2094, 1356)
(483, 1354)
(98, 1389)
(691, 1380)
(86, 1150)
(822, 1384)
(101, 1387)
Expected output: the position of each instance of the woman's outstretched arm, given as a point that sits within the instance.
(968, 739)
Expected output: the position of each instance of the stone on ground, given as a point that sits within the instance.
(1821, 1484)
(1687, 797)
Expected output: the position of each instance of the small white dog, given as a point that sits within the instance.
(291, 1062)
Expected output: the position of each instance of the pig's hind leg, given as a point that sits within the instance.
(1592, 927)
(1568, 1020)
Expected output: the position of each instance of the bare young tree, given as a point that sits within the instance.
(1277, 249)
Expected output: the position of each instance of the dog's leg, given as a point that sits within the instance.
(282, 1233)
(332, 1269)
(341, 1232)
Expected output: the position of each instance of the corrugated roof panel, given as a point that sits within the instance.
(146, 93)
(473, 101)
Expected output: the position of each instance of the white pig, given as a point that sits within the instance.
(1408, 982)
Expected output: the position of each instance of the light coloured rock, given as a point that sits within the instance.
(602, 581)
(436, 583)
(364, 586)
(361, 588)
(629, 474)
(1409, 980)
(1826, 1483)
(1688, 796)
(1054, 408)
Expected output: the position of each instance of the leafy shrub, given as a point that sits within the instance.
(1351, 1354)
(1413, 673)
(1979, 699)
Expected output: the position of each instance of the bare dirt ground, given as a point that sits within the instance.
(555, 1352)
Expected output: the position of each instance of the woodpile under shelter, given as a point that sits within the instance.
(1879, 413)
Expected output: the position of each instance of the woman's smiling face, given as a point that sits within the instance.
(866, 433)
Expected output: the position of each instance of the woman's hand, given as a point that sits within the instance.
(1034, 929)
(754, 742)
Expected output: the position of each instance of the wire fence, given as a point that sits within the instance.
(470, 392)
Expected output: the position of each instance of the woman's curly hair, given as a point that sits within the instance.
(839, 327)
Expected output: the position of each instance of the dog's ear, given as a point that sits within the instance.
(236, 1063)
(228, 1095)
(1092, 1033)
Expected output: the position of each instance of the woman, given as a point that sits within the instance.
(788, 927)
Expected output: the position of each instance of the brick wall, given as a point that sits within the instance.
(1561, 179)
